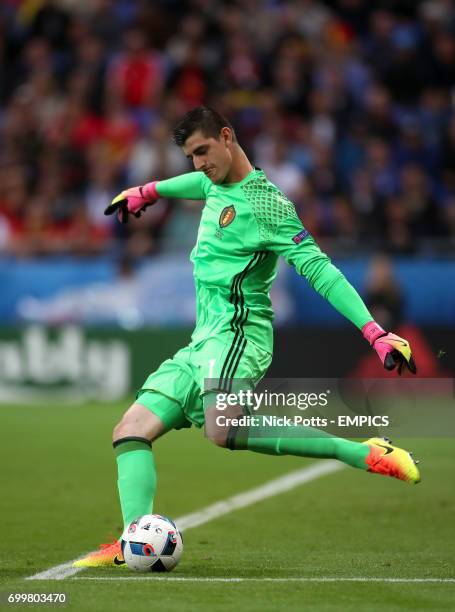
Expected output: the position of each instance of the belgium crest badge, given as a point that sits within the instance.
(227, 216)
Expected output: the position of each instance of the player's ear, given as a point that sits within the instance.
(226, 136)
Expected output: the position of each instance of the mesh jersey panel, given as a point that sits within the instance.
(269, 205)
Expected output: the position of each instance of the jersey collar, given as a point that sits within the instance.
(255, 172)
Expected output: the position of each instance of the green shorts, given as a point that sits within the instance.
(183, 387)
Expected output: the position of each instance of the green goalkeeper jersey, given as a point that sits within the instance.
(244, 228)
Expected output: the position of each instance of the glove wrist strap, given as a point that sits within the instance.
(149, 191)
(372, 331)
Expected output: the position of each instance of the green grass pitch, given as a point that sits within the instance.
(59, 500)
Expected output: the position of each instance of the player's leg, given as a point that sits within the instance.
(158, 409)
(376, 455)
(298, 441)
(150, 417)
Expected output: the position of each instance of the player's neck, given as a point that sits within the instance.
(240, 167)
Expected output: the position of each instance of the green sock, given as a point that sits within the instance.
(136, 477)
(308, 442)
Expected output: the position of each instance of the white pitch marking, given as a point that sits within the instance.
(265, 579)
(214, 511)
(269, 489)
(59, 572)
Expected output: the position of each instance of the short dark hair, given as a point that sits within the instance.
(202, 118)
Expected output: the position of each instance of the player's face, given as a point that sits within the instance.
(209, 155)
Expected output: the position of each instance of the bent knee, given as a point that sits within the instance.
(217, 439)
(139, 422)
(217, 433)
(121, 430)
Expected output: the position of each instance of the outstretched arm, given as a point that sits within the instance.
(190, 186)
(291, 240)
(133, 201)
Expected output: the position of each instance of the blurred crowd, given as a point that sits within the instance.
(348, 105)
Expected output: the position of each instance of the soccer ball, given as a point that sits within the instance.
(152, 543)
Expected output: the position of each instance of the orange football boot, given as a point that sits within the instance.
(108, 555)
(391, 461)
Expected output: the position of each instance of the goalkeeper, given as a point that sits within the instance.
(246, 224)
